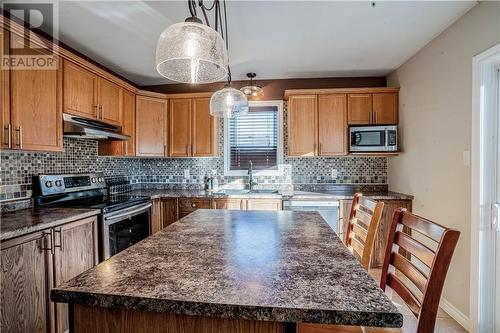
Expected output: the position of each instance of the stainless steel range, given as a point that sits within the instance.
(124, 220)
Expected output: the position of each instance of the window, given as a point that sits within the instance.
(256, 137)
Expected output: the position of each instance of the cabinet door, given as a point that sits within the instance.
(156, 216)
(332, 125)
(180, 127)
(230, 204)
(4, 92)
(385, 108)
(35, 110)
(302, 120)
(25, 282)
(128, 127)
(263, 204)
(170, 213)
(79, 91)
(76, 251)
(110, 102)
(151, 126)
(204, 129)
(359, 109)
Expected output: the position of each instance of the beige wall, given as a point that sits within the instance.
(435, 119)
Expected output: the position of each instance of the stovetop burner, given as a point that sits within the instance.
(110, 203)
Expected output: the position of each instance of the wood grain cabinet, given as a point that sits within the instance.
(31, 107)
(193, 131)
(377, 108)
(123, 148)
(380, 243)
(189, 205)
(302, 125)
(263, 204)
(33, 264)
(317, 125)
(164, 212)
(230, 204)
(88, 95)
(151, 126)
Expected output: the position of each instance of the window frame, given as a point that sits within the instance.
(280, 138)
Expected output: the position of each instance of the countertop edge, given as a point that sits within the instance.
(229, 311)
(7, 235)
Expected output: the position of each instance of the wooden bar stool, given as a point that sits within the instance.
(416, 274)
(362, 227)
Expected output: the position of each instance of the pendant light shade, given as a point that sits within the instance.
(191, 52)
(228, 103)
(251, 89)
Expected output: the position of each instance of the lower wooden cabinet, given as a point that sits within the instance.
(383, 228)
(35, 263)
(164, 212)
(189, 205)
(263, 204)
(247, 204)
(230, 204)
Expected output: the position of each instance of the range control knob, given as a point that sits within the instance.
(48, 184)
(101, 179)
(58, 183)
(94, 179)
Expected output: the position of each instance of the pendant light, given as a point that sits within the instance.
(251, 89)
(228, 102)
(193, 52)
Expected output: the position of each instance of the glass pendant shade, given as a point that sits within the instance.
(228, 103)
(252, 90)
(191, 52)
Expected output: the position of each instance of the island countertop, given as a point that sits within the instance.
(259, 265)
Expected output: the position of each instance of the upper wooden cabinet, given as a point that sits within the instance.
(31, 107)
(317, 125)
(377, 108)
(110, 102)
(302, 125)
(180, 127)
(360, 109)
(123, 148)
(80, 91)
(204, 130)
(385, 108)
(332, 125)
(193, 131)
(87, 95)
(151, 126)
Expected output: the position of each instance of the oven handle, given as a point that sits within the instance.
(129, 212)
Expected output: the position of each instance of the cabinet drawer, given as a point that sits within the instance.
(192, 204)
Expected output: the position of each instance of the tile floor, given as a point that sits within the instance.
(444, 323)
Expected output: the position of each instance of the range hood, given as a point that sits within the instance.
(82, 128)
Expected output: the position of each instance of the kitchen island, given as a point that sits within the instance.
(229, 271)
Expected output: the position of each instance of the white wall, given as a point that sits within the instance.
(435, 120)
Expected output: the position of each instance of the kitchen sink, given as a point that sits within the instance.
(264, 191)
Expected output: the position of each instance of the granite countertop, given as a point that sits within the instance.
(258, 265)
(25, 221)
(300, 195)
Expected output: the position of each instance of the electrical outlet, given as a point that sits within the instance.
(335, 173)
(186, 173)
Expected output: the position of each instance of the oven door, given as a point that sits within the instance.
(124, 228)
(376, 139)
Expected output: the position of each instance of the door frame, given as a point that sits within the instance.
(483, 65)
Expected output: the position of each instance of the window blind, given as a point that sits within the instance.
(254, 137)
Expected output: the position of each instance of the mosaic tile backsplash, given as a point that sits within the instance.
(18, 168)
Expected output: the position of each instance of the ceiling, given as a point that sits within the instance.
(281, 39)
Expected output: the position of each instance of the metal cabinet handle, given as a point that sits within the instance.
(19, 131)
(192, 149)
(50, 236)
(100, 112)
(319, 149)
(7, 128)
(193, 205)
(97, 111)
(495, 223)
(187, 150)
(59, 231)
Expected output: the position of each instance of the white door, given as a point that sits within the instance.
(489, 236)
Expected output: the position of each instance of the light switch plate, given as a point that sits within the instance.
(335, 173)
(186, 173)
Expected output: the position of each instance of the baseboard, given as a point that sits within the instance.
(456, 314)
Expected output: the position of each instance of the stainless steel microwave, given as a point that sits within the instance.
(373, 138)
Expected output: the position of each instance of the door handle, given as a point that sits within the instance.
(495, 223)
(19, 131)
(7, 128)
(60, 239)
(100, 112)
(47, 235)
(187, 150)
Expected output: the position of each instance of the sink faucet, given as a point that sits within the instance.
(251, 182)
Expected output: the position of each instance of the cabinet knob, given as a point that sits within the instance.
(193, 205)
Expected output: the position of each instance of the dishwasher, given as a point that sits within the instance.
(328, 209)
